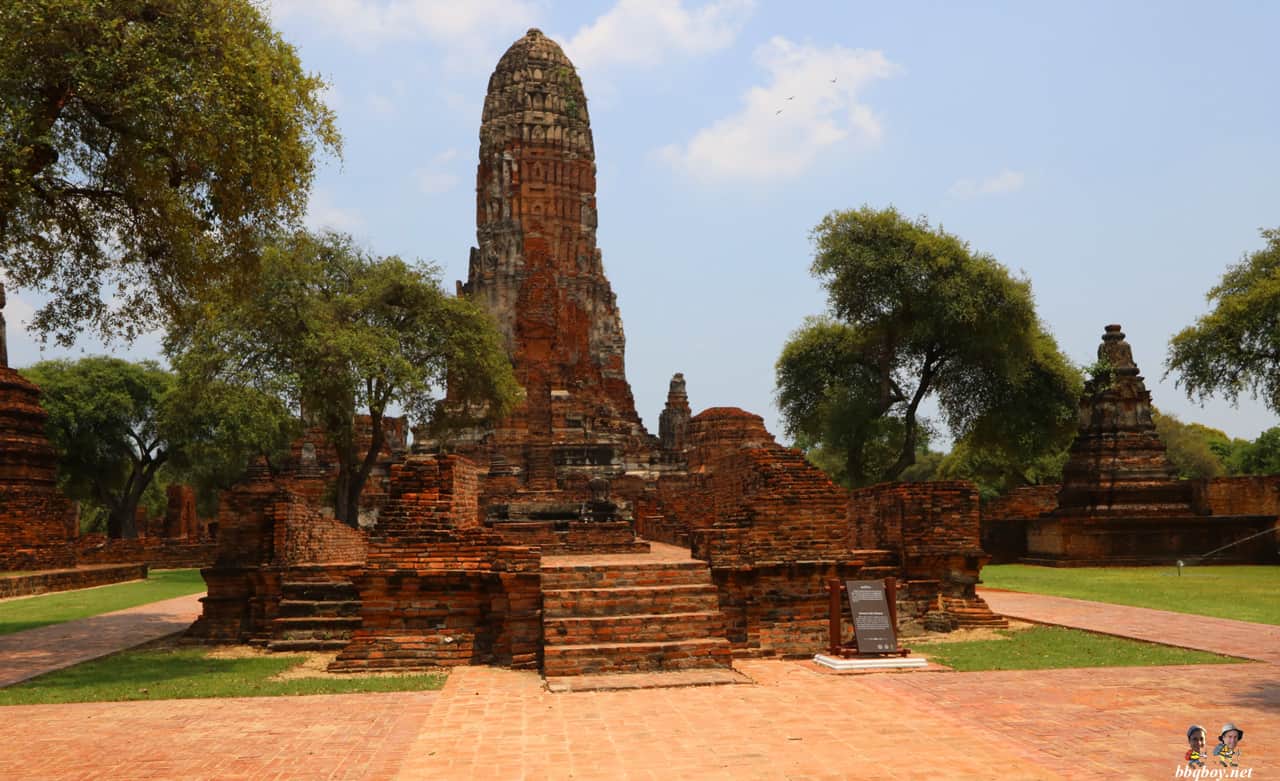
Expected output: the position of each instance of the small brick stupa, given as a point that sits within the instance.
(1118, 466)
(1121, 501)
(538, 272)
(37, 523)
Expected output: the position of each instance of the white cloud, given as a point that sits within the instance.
(810, 104)
(1004, 182)
(381, 105)
(324, 214)
(370, 21)
(433, 179)
(645, 32)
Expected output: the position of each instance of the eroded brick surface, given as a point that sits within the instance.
(37, 523)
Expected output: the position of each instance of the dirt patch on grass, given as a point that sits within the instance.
(966, 635)
(314, 663)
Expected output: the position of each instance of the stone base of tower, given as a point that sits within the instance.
(1088, 541)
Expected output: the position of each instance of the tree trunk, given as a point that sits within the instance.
(124, 514)
(360, 475)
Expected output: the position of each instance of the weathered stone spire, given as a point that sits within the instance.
(537, 269)
(673, 423)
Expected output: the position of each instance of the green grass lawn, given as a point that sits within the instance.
(1246, 593)
(1050, 647)
(174, 673)
(44, 609)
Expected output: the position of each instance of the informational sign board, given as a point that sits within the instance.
(872, 622)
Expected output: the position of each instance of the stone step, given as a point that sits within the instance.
(559, 660)
(319, 591)
(307, 644)
(320, 622)
(648, 628)
(566, 576)
(321, 628)
(632, 600)
(303, 608)
(973, 613)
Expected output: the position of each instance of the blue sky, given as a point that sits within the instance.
(1120, 155)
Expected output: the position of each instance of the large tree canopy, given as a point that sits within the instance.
(146, 146)
(117, 424)
(1236, 346)
(914, 313)
(337, 331)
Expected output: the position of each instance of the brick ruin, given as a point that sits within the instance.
(37, 523)
(520, 546)
(1120, 501)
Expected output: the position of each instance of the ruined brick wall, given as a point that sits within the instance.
(1244, 495)
(35, 529)
(932, 527)
(746, 499)
(156, 552)
(783, 609)
(1029, 501)
(304, 535)
(920, 519)
(66, 580)
(438, 588)
(180, 512)
(1004, 520)
(37, 523)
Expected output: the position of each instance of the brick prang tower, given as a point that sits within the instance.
(538, 272)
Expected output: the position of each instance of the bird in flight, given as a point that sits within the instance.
(776, 113)
(833, 81)
(793, 97)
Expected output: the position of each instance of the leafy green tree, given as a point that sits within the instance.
(335, 330)
(146, 146)
(1193, 448)
(1236, 346)
(995, 472)
(119, 426)
(106, 422)
(220, 428)
(1259, 457)
(914, 313)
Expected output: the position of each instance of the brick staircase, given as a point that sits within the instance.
(315, 615)
(972, 613)
(630, 617)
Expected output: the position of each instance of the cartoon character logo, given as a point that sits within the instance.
(1228, 749)
(1196, 740)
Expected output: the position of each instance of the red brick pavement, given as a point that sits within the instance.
(34, 652)
(491, 723)
(1220, 635)
(795, 723)
(343, 736)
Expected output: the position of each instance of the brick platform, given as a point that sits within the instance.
(68, 579)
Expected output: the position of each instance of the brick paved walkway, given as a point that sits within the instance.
(795, 722)
(33, 652)
(1220, 635)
